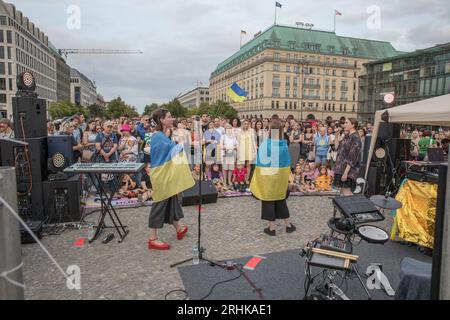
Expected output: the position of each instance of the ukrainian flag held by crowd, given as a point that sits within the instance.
(236, 93)
(271, 177)
(169, 172)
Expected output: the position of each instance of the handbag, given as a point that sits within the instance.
(87, 155)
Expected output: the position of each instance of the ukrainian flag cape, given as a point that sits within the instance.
(271, 177)
(169, 173)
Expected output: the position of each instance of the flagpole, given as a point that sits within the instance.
(334, 29)
(275, 14)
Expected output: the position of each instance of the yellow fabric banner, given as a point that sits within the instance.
(416, 219)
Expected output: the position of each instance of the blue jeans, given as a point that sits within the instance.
(322, 159)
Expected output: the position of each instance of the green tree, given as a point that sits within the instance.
(117, 107)
(63, 109)
(224, 110)
(150, 108)
(175, 108)
(95, 111)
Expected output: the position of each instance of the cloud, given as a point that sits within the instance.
(184, 40)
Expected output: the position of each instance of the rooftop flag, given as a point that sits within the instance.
(277, 4)
(337, 13)
(236, 93)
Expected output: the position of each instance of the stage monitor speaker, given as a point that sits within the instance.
(62, 200)
(31, 204)
(191, 196)
(60, 152)
(30, 112)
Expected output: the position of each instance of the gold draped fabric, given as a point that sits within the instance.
(416, 219)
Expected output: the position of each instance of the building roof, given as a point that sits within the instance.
(74, 73)
(191, 91)
(432, 50)
(284, 37)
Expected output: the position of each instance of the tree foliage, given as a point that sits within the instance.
(117, 107)
(59, 110)
(219, 109)
(150, 108)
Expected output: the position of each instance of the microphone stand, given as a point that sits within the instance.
(201, 250)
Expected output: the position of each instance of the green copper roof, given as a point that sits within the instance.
(314, 41)
(440, 48)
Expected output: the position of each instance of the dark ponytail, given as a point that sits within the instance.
(157, 115)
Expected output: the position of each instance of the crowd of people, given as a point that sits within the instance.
(229, 148)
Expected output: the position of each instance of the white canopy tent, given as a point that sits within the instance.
(434, 111)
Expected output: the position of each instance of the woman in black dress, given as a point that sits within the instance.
(169, 178)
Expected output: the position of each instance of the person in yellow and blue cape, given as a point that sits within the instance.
(271, 179)
(170, 175)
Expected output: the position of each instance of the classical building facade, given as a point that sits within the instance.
(195, 97)
(24, 47)
(83, 91)
(299, 72)
(414, 76)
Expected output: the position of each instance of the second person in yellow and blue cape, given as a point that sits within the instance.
(270, 180)
(170, 175)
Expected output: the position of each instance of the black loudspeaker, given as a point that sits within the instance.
(388, 131)
(60, 153)
(367, 141)
(30, 116)
(191, 196)
(439, 233)
(31, 203)
(62, 200)
(13, 155)
(374, 178)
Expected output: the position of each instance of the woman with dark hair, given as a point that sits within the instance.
(270, 180)
(260, 134)
(307, 141)
(348, 160)
(170, 175)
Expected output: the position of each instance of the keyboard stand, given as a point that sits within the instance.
(107, 207)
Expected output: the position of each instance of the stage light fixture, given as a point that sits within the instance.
(26, 82)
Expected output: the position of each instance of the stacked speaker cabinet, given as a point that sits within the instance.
(62, 200)
(30, 117)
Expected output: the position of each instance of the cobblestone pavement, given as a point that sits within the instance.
(231, 228)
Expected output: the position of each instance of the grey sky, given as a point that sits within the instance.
(184, 40)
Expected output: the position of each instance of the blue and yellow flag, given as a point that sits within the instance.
(236, 93)
(169, 172)
(273, 166)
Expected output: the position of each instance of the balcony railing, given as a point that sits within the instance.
(344, 88)
(276, 83)
(314, 97)
(311, 86)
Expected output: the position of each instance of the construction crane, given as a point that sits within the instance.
(66, 52)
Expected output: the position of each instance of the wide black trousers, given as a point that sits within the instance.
(273, 210)
(165, 212)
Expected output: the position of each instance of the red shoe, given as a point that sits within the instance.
(158, 246)
(182, 233)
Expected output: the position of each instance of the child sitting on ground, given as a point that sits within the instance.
(238, 178)
(216, 176)
(323, 181)
(308, 184)
(145, 191)
(128, 185)
(196, 173)
(296, 179)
